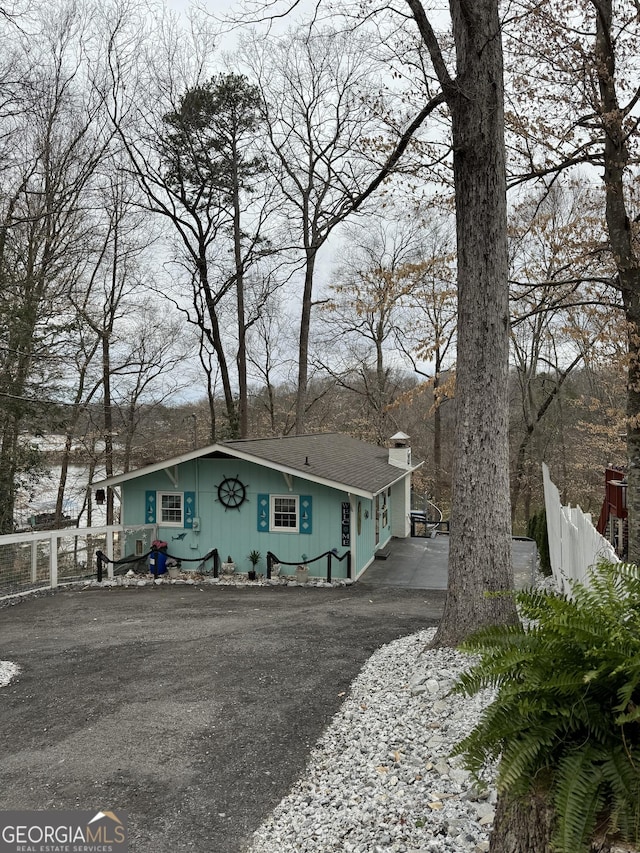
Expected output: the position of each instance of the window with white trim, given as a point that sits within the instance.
(284, 515)
(170, 508)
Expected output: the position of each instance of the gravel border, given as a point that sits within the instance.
(380, 778)
(8, 671)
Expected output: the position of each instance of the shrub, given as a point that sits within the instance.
(537, 529)
(567, 711)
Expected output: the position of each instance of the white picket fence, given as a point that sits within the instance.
(574, 543)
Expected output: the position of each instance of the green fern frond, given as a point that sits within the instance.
(524, 758)
(491, 637)
(535, 604)
(472, 681)
(628, 704)
(620, 770)
(631, 715)
(567, 706)
(578, 799)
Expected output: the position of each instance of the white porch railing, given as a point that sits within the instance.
(44, 559)
(574, 543)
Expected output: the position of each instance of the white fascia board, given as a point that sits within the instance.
(405, 473)
(158, 466)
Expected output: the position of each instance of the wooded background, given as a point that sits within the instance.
(198, 245)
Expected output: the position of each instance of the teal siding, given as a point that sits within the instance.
(236, 532)
(365, 548)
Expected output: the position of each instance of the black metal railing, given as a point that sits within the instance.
(101, 559)
(329, 555)
(423, 527)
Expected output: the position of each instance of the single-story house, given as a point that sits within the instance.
(296, 497)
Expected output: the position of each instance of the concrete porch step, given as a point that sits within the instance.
(383, 553)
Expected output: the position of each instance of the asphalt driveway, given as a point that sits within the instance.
(192, 709)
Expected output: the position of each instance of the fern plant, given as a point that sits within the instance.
(566, 716)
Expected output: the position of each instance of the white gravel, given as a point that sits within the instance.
(8, 671)
(380, 778)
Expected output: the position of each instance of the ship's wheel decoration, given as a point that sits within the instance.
(232, 493)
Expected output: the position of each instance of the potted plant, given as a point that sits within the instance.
(228, 567)
(254, 559)
(302, 571)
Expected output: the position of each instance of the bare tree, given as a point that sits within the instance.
(582, 115)
(560, 308)
(58, 139)
(198, 170)
(213, 140)
(104, 301)
(315, 86)
(271, 362)
(143, 375)
(365, 316)
(431, 339)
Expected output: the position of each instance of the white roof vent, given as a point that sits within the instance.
(400, 452)
(400, 439)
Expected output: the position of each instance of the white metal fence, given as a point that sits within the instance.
(574, 543)
(46, 558)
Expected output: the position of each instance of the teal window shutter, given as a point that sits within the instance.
(263, 513)
(189, 509)
(306, 514)
(150, 507)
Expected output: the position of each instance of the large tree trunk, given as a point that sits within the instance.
(632, 311)
(526, 825)
(616, 160)
(8, 471)
(16, 369)
(522, 825)
(480, 540)
(108, 421)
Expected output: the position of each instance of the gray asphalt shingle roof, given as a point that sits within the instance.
(332, 456)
